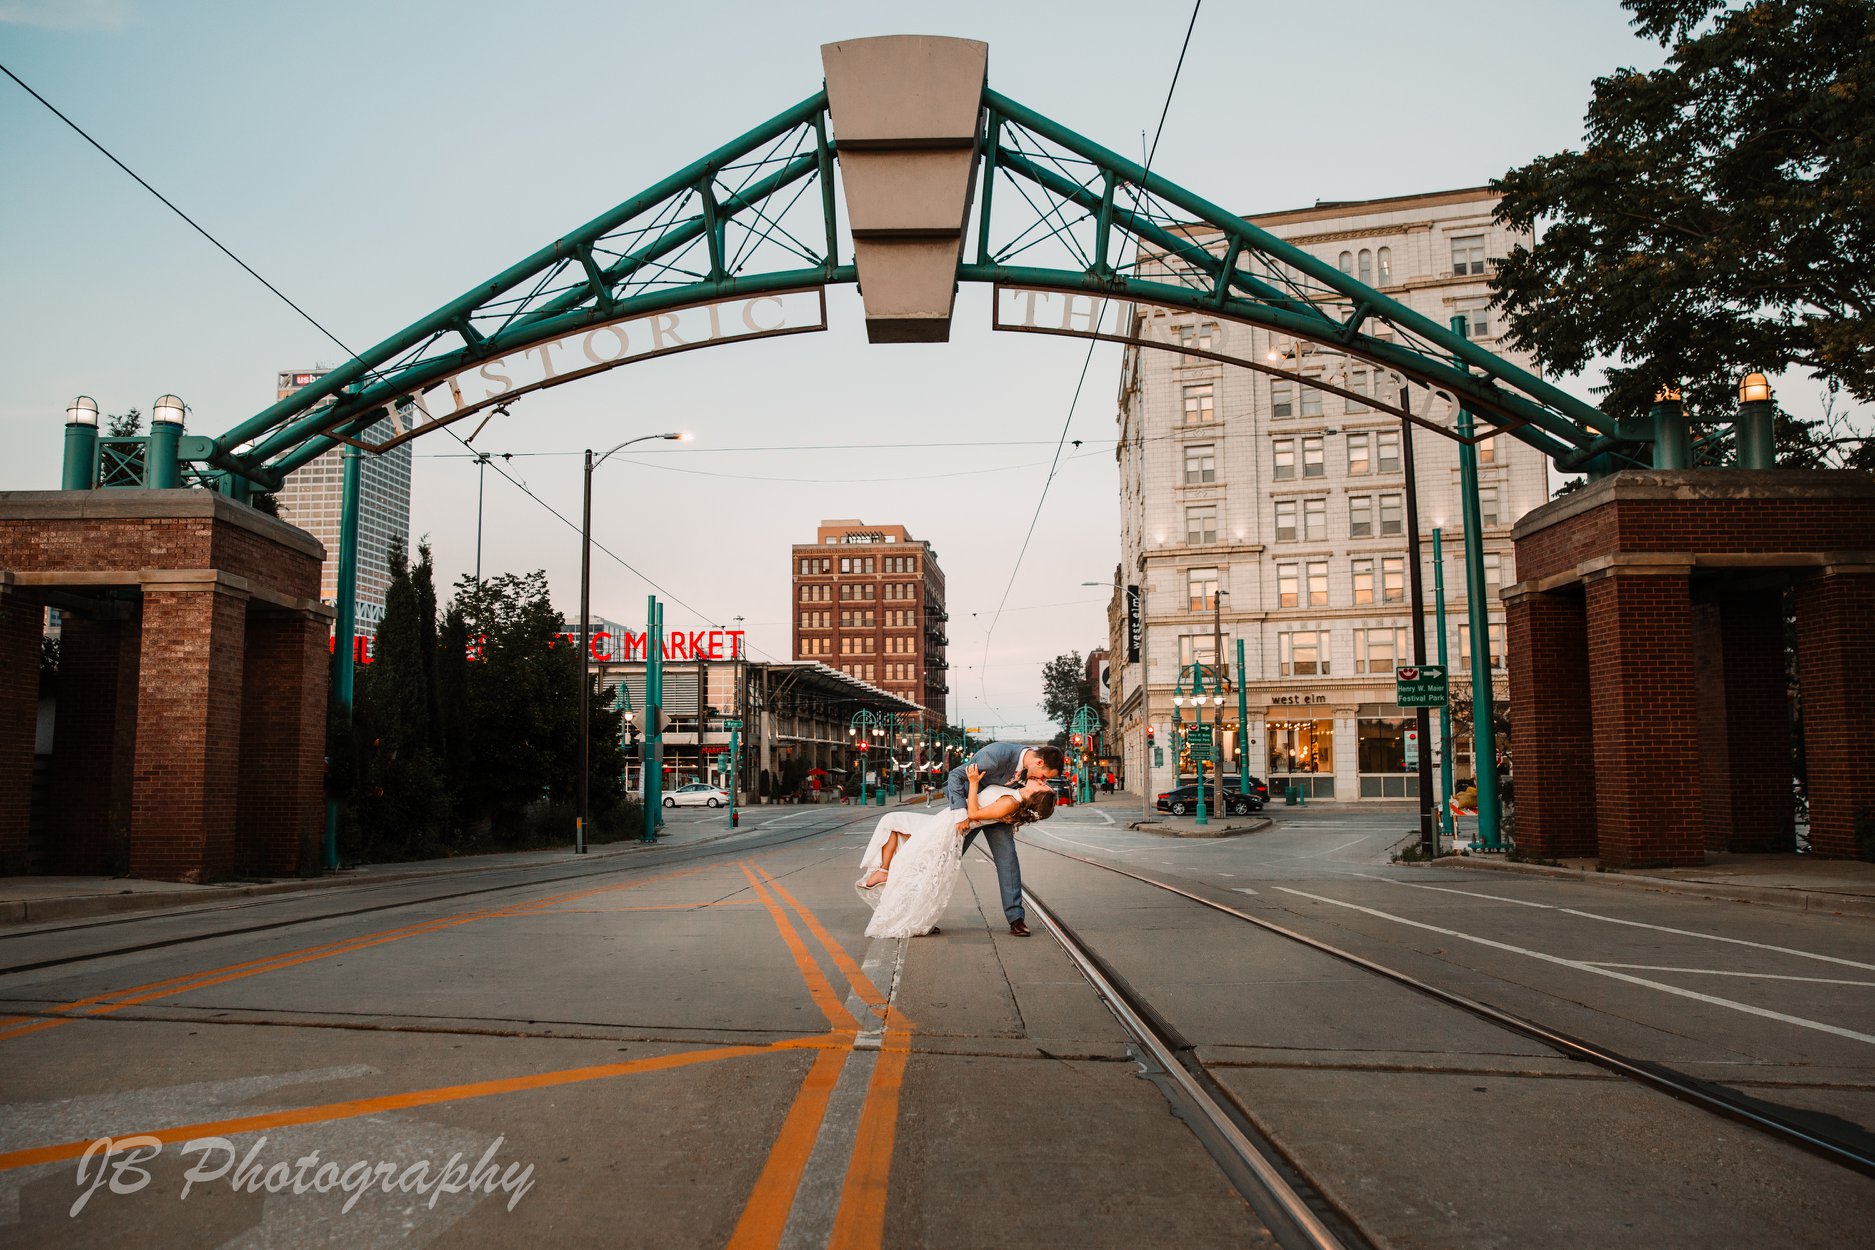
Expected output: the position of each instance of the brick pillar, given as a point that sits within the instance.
(93, 747)
(1744, 722)
(283, 725)
(1643, 709)
(1836, 685)
(22, 624)
(188, 733)
(1547, 637)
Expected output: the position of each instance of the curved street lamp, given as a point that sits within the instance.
(585, 631)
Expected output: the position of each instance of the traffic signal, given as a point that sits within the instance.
(1150, 735)
(1075, 740)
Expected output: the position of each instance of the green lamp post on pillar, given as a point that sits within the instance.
(864, 726)
(1200, 735)
(1082, 732)
(81, 444)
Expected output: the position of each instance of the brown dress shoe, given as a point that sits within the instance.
(1018, 928)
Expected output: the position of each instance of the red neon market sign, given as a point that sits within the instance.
(608, 647)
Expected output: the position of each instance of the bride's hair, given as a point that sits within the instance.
(1033, 807)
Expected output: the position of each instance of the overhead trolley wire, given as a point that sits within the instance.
(1081, 382)
(340, 343)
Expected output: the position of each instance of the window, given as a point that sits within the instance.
(1468, 254)
(1496, 637)
(1487, 505)
(1318, 583)
(1387, 451)
(1200, 464)
(1202, 336)
(1363, 581)
(1198, 405)
(1282, 398)
(1285, 520)
(1392, 512)
(1359, 453)
(1312, 456)
(846, 564)
(1367, 267)
(1288, 585)
(1347, 263)
(1311, 402)
(1315, 520)
(1201, 649)
(1393, 579)
(1201, 586)
(1493, 572)
(1487, 451)
(1201, 525)
(1361, 382)
(1378, 650)
(1385, 257)
(1304, 653)
(1283, 459)
(1360, 516)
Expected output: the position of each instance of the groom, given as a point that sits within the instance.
(1004, 764)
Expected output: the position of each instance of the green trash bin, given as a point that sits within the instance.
(1292, 794)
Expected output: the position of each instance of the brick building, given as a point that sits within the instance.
(869, 601)
(1284, 505)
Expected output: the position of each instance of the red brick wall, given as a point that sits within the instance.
(22, 624)
(1643, 709)
(282, 745)
(1549, 711)
(105, 544)
(188, 735)
(1836, 681)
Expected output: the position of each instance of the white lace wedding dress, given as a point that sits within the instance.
(924, 869)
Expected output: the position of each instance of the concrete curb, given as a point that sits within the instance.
(84, 906)
(1157, 829)
(1785, 898)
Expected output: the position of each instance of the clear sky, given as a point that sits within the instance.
(374, 160)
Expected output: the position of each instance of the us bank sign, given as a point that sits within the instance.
(601, 347)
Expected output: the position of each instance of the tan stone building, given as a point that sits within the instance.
(1284, 506)
(869, 601)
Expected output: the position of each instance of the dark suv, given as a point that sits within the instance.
(1236, 802)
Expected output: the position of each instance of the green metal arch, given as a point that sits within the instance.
(739, 222)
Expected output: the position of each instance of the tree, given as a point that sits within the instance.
(1065, 688)
(123, 424)
(1719, 218)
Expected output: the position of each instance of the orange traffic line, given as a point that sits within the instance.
(113, 1000)
(859, 1223)
(353, 1108)
(818, 987)
(766, 1215)
(861, 983)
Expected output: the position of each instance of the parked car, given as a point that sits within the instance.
(697, 794)
(1184, 800)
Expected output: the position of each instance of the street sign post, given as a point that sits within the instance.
(1419, 685)
(1198, 736)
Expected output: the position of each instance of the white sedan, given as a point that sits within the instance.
(696, 794)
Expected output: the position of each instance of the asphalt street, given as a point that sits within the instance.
(695, 1044)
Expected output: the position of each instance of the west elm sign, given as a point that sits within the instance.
(600, 347)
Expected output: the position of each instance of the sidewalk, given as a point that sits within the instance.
(1844, 887)
(36, 900)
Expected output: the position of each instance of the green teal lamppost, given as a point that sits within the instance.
(1204, 735)
(81, 444)
(1483, 726)
(1243, 725)
(864, 726)
(1755, 432)
(1085, 725)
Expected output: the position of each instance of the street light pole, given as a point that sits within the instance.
(481, 473)
(582, 820)
(1422, 717)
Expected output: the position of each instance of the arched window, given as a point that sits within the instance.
(1386, 266)
(1347, 263)
(1367, 267)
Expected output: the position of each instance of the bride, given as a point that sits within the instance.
(911, 863)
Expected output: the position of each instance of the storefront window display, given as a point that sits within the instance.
(1302, 754)
(1380, 753)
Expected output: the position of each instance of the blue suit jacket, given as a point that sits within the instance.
(1000, 761)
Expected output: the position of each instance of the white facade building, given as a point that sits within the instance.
(1289, 502)
(311, 500)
